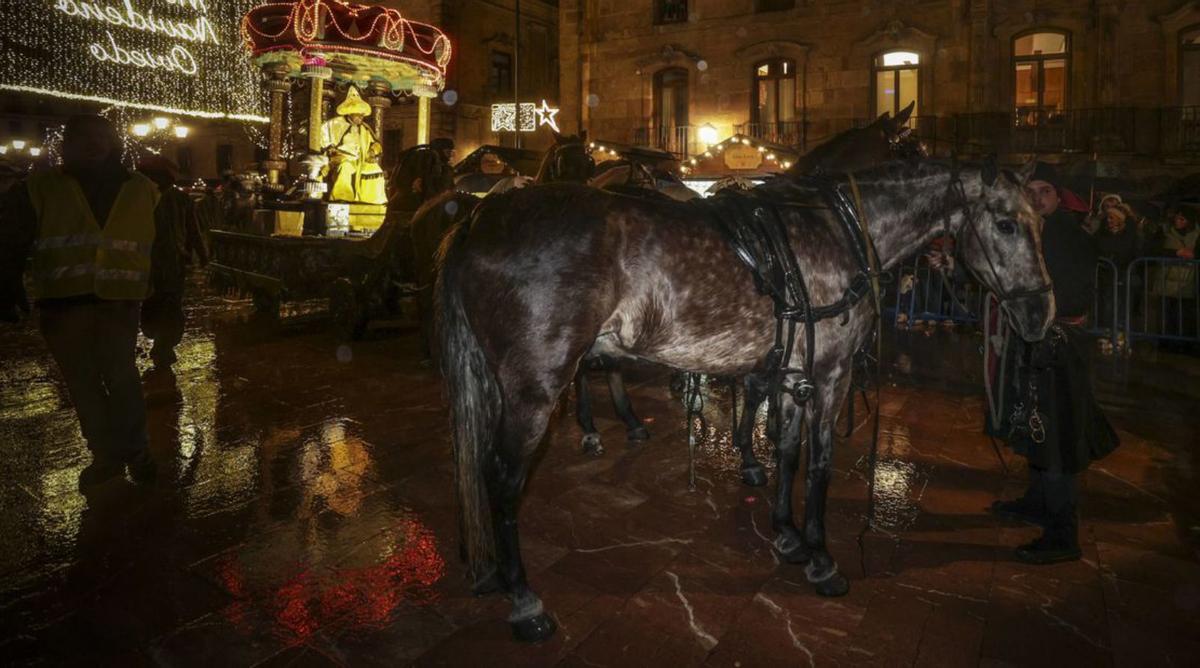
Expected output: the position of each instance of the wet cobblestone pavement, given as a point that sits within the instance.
(304, 516)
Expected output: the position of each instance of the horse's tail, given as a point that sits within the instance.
(474, 398)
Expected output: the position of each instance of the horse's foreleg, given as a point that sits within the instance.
(634, 429)
(822, 570)
(753, 473)
(789, 542)
(583, 413)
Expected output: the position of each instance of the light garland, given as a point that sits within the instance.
(183, 57)
(712, 151)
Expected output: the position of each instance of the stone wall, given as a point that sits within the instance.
(1122, 53)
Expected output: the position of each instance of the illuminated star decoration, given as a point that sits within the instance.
(545, 116)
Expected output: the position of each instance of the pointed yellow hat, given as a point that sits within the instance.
(353, 104)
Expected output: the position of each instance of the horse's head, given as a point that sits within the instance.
(568, 160)
(886, 138)
(1000, 241)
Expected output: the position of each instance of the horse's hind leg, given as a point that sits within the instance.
(527, 412)
(822, 570)
(753, 473)
(583, 413)
(635, 430)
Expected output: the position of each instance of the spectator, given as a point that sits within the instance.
(1175, 285)
(177, 240)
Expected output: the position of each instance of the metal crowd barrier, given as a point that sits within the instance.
(928, 298)
(1161, 299)
(1104, 319)
(1154, 298)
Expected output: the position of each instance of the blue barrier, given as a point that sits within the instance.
(1104, 318)
(1161, 299)
(929, 298)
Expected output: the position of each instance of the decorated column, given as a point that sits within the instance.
(424, 93)
(379, 96)
(277, 82)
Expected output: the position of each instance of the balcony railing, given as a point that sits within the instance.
(671, 11)
(675, 139)
(786, 133)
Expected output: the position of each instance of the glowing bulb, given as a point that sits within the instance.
(18, 144)
(761, 149)
(182, 131)
(708, 134)
(770, 156)
(3, 149)
(35, 152)
(745, 141)
(141, 129)
(161, 123)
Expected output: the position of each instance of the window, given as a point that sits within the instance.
(897, 82)
(671, 98)
(1189, 67)
(774, 92)
(183, 158)
(670, 11)
(773, 5)
(1041, 68)
(500, 80)
(224, 158)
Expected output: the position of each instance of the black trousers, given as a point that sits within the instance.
(95, 347)
(162, 321)
(1056, 495)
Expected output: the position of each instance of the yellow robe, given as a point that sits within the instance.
(357, 176)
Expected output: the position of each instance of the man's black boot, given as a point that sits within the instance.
(1029, 509)
(142, 468)
(102, 469)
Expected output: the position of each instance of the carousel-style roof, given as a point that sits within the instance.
(359, 42)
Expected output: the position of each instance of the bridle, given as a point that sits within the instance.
(956, 190)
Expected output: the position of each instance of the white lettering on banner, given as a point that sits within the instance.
(178, 60)
(198, 30)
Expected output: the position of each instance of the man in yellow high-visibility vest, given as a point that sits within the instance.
(89, 226)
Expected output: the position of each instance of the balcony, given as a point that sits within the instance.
(784, 133)
(674, 139)
(671, 11)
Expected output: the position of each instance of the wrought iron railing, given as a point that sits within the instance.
(785, 133)
(676, 139)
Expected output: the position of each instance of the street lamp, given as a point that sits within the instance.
(708, 134)
(18, 144)
(141, 129)
(181, 131)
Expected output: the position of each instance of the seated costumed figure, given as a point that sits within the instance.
(353, 154)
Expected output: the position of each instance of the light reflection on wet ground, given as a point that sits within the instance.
(306, 516)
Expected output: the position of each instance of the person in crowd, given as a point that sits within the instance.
(177, 240)
(1175, 285)
(1098, 219)
(90, 227)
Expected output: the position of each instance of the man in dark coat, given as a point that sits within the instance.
(1049, 413)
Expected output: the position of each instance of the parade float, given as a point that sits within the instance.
(324, 233)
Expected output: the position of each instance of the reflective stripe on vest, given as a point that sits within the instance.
(74, 256)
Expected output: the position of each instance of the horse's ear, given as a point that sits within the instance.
(902, 117)
(989, 172)
(1024, 173)
(883, 118)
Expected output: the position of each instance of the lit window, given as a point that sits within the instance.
(774, 92)
(1189, 67)
(1041, 72)
(899, 58)
(897, 82)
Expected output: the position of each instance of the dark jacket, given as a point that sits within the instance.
(1122, 247)
(1071, 260)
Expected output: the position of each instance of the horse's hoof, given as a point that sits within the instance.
(592, 445)
(534, 629)
(638, 434)
(792, 551)
(754, 475)
(832, 586)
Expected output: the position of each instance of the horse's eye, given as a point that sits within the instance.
(1007, 226)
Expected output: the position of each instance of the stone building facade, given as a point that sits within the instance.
(484, 68)
(1030, 76)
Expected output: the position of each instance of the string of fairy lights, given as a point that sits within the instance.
(182, 58)
(689, 165)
